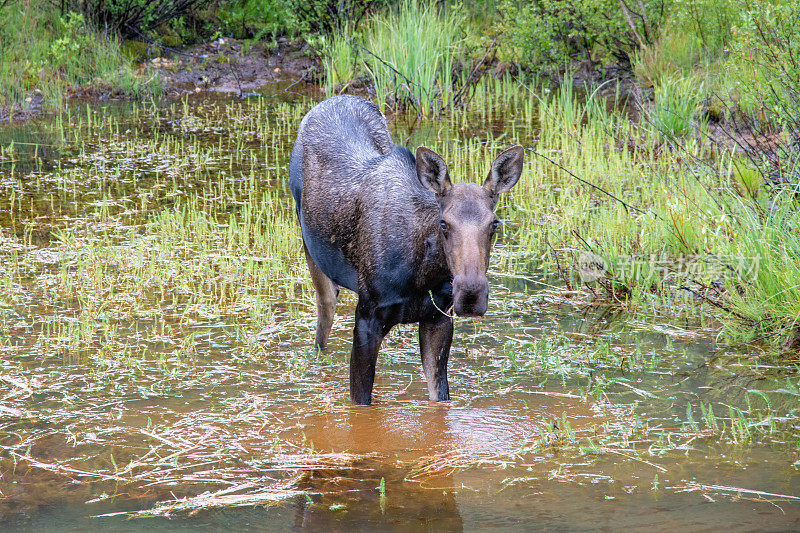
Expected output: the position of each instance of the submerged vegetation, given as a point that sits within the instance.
(156, 312)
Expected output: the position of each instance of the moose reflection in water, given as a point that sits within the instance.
(374, 491)
(392, 228)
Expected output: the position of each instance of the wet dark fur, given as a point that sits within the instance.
(369, 225)
(367, 221)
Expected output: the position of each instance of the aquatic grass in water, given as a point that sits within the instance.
(410, 55)
(184, 262)
(188, 256)
(552, 219)
(339, 59)
(153, 292)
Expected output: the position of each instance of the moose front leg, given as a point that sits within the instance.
(367, 336)
(435, 338)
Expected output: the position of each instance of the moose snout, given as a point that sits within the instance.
(470, 295)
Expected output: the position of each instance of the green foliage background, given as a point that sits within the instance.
(548, 33)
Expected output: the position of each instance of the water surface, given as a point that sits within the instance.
(155, 358)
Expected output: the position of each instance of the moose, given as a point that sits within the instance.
(391, 227)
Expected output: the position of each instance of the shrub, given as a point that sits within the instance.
(766, 59)
(710, 22)
(694, 40)
(260, 18)
(548, 33)
(130, 18)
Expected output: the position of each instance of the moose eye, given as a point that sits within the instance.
(443, 225)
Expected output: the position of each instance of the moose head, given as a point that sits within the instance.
(467, 224)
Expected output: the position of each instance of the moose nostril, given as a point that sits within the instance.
(471, 284)
(471, 304)
(470, 295)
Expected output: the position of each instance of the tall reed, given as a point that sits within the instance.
(339, 59)
(410, 54)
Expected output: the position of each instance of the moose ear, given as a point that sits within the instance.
(432, 171)
(505, 172)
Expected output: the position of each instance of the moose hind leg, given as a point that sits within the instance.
(327, 295)
(435, 338)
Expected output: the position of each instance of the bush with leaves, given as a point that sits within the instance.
(130, 18)
(548, 33)
(694, 40)
(270, 18)
(766, 55)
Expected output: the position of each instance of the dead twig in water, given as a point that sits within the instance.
(469, 80)
(301, 78)
(692, 487)
(712, 302)
(634, 458)
(219, 499)
(65, 470)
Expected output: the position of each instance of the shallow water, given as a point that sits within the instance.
(118, 395)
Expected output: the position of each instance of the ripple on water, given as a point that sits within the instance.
(490, 428)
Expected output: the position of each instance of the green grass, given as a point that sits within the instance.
(339, 60)
(44, 54)
(769, 297)
(742, 57)
(677, 53)
(676, 106)
(411, 55)
(160, 249)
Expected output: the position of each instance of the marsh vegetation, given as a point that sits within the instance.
(637, 364)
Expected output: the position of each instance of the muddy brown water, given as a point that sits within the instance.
(564, 416)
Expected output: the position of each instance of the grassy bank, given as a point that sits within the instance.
(45, 56)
